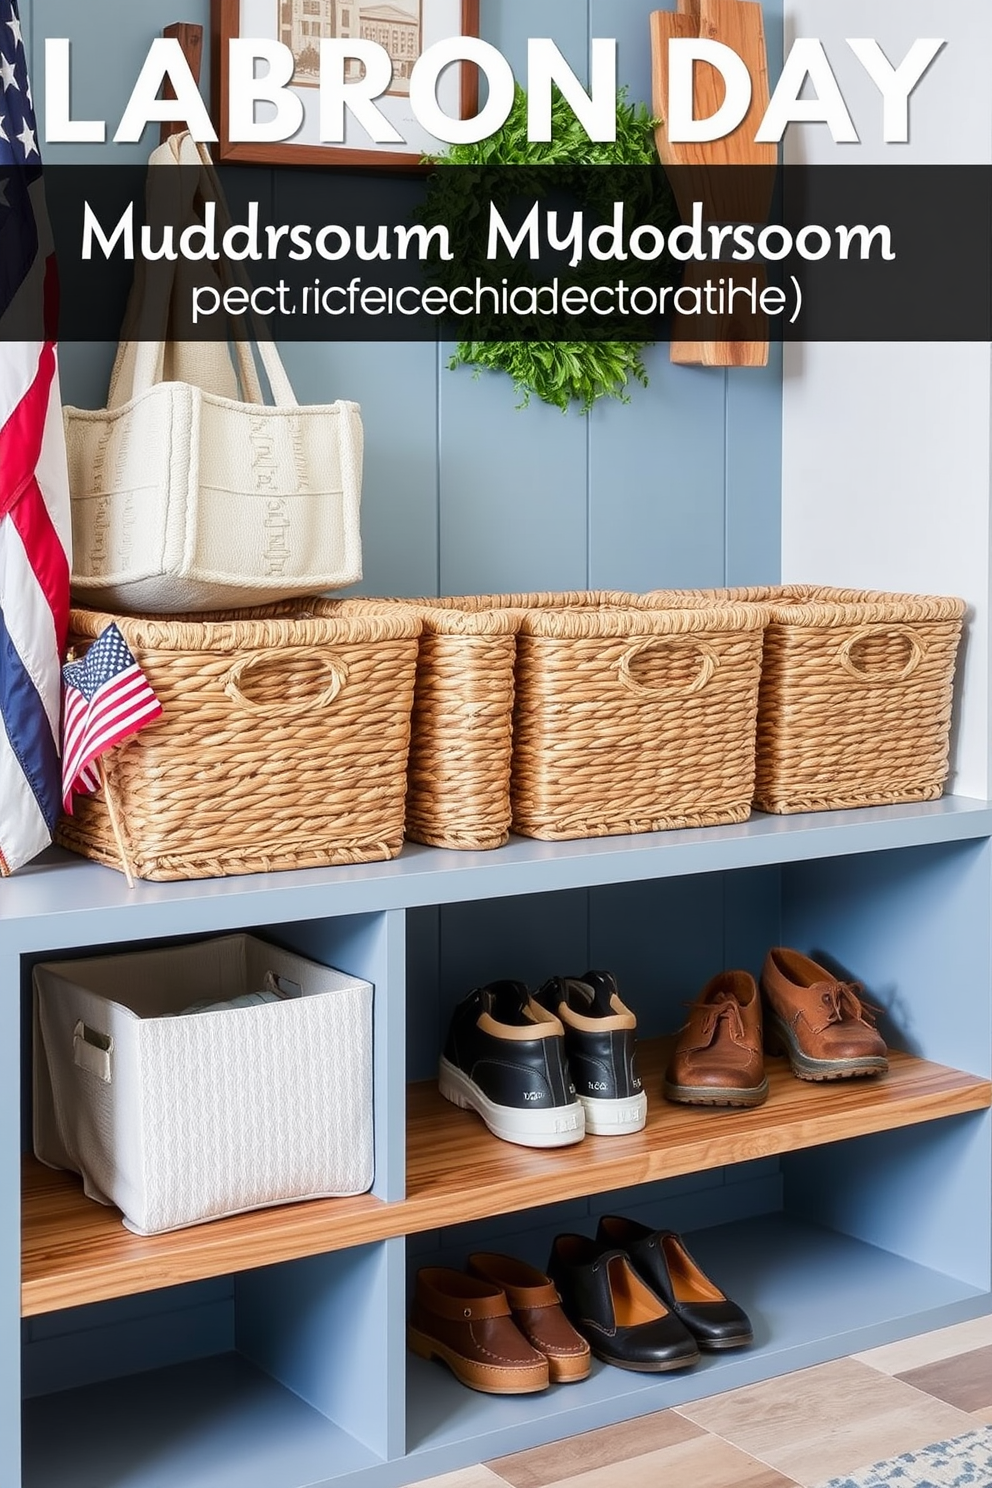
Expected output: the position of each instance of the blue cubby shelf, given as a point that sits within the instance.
(63, 901)
(283, 1365)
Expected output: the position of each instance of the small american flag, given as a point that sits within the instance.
(107, 697)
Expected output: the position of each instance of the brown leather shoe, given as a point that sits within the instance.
(537, 1312)
(466, 1323)
(820, 1022)
(718, 1059)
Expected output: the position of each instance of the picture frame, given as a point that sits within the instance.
(404, 27)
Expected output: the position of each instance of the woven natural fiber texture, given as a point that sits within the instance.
(458, 792)
(458, 786)
(460, 757)
(459, 780)
(629, 718)
(856, 696)
(283, 743)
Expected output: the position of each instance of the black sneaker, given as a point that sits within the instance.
(600, 1034)
(505, 1059)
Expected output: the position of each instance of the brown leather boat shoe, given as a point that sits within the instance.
(466, 1323)
(819, 1022)
(537, 1312)
(718, 1059)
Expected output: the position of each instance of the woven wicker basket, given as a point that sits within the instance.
(283, 744)
(634, 720)
(856, 695)
(461, 754)
(627, 719)
(458, 793)
(458, 785)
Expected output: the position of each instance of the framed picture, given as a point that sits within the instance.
(404, 28)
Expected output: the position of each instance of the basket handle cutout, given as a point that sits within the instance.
(658, 645)
(275, 661)
(917, 650)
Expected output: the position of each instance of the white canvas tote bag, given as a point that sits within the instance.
(189, 491)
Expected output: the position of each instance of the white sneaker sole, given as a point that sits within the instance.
(559, 1126)
(614, 1118)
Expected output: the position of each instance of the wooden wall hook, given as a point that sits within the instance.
(696, 174)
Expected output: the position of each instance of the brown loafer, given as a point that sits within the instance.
(819, 1022)
(466, 1323)
(718, 1058)
(537, 1312)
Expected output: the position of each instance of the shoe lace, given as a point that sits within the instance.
(723, 1008)
(846, 1000)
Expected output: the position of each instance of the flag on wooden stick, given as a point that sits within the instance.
(34, 490)
(107, 698)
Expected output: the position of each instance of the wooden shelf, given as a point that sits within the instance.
(76, 1251)
(457, 1171)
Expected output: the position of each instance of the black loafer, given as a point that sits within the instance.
(661, 1259)
(622, 1318)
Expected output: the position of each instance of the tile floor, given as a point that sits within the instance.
(801, 1430)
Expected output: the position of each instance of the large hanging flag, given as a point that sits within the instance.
(34, 493)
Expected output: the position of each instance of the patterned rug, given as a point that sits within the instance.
(963, 1462)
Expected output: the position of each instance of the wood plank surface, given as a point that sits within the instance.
(733, 196)
(738, 24)
(457, 1171)
(76, 1251)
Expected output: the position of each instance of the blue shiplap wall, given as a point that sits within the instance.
(463, 491)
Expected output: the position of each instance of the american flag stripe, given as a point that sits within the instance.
(34, 613)
(88, 780)
(32, 520)
(107, 699)
(30, 762)
(112, 733)
(26, 828)
(30, 624)
(92, 728)
(17, 374)
(84, 748)
(22, 435)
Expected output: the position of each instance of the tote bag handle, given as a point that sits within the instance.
(140, 364)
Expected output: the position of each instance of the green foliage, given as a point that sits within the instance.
(557, 372)
(569, 144)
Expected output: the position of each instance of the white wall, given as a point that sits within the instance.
(887, 447)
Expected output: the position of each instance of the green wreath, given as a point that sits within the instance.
(557, 372)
